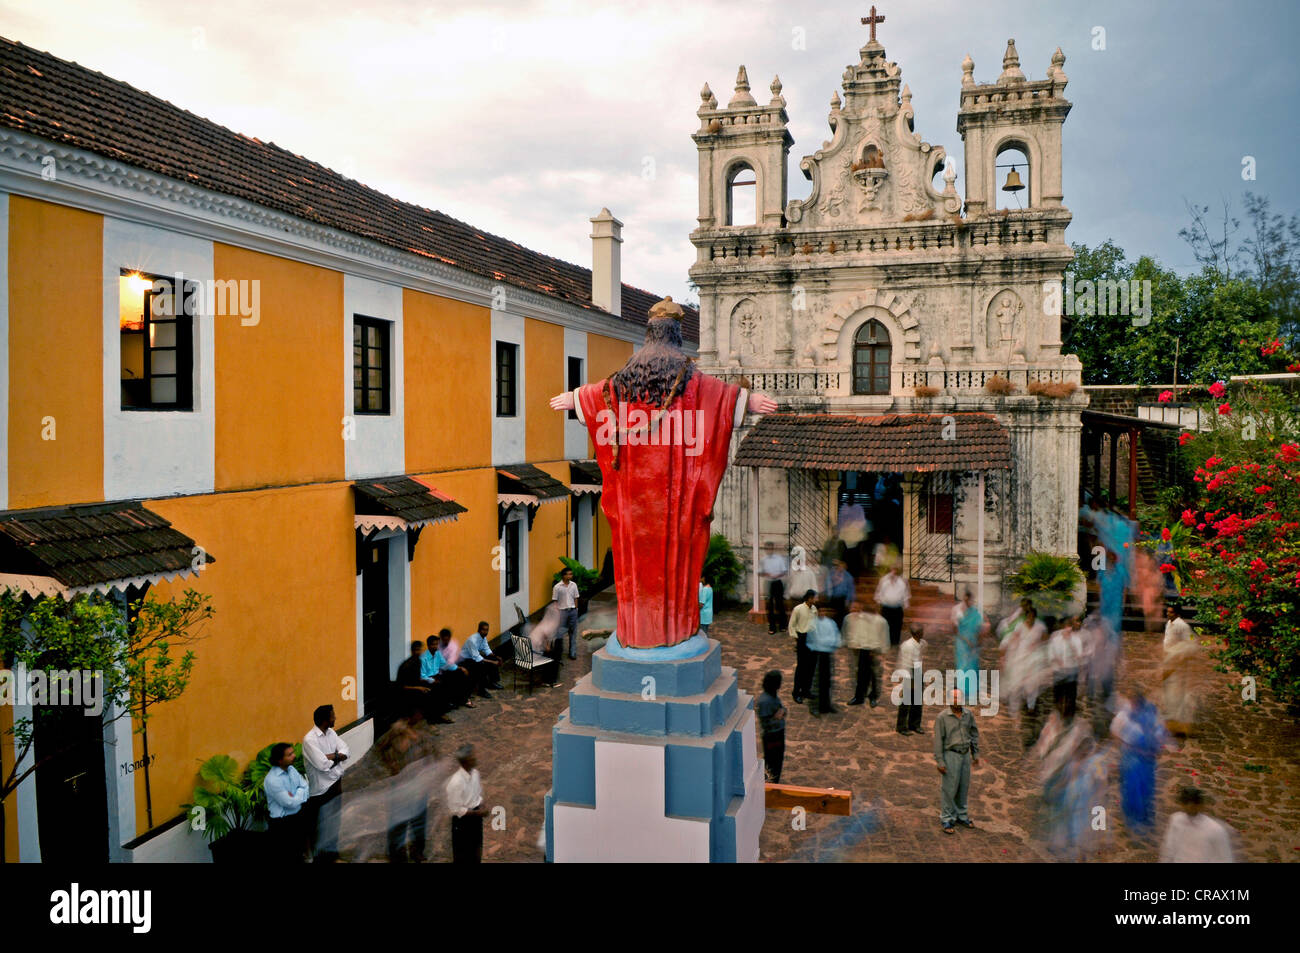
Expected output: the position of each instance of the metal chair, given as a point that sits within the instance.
(524, 659)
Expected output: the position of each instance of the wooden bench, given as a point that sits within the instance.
(813, 800)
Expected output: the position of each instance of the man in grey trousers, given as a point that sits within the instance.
(956, 748)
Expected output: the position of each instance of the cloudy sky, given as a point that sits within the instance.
(524, 118)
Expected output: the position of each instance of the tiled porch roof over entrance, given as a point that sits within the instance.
(892, 443)
(67, 550)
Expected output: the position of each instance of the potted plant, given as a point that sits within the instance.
(1054, 584)
(228, 807)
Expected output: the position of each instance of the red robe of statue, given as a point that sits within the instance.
(659, 502)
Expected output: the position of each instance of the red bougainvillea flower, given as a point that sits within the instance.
(1288, 453)
(1294, 369)
(1217, 389)
(1167, 567)
(1212, 462)
(1165, 396)
(1258, 565)
(1261, 490)
(1245, 625)
(1271, 348)
(1185, 438)
(1225, 409)
(1165, 534)
(1189, 518)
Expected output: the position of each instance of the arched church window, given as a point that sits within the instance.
(871, 356)
(1011, 176)
(742, 196)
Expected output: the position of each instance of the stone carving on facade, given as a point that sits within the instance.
(748, 337)
(1005, 323)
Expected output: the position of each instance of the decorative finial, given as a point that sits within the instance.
(907, 93)
(777, 98)
(668, 308)
(968, 71)
(742, 96)
(835, 101)
(707, 97)
(1057, 71)
(1011, 64)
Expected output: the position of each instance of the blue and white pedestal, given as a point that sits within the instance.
(655, 761)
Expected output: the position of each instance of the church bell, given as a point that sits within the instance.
(1013, 182)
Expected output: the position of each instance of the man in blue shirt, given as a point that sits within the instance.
(840, 590)
(286, 793)
(477, 655)
(435, 663)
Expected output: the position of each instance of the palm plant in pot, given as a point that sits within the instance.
(226, 804)
(1054, 584)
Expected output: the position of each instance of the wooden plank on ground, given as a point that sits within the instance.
(813, 800)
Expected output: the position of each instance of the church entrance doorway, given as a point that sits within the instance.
(880, 497)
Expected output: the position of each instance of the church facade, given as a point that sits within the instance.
(910, 334)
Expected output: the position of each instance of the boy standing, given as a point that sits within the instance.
(771, 720)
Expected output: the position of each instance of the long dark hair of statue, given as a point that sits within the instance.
(649, 375)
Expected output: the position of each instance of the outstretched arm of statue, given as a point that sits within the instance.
(562, 401)
(761, 404)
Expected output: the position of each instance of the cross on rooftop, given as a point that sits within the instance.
(873, 20)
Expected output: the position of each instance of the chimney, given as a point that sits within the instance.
(606, 273)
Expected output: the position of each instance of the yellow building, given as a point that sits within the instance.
(338, 397)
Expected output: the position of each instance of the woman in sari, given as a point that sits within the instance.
(968, 622)
(1141, 735)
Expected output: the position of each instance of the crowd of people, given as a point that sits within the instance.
(1057, 675)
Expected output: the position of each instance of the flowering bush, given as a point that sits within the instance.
(1236, 549)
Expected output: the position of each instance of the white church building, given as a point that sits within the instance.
(910, 334)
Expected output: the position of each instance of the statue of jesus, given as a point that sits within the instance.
(662, 432)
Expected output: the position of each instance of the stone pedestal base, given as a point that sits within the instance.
(656, 762)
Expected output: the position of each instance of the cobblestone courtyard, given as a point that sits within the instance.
(1245, 757)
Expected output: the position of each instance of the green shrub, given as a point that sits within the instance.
(588, 580)
(722, 568)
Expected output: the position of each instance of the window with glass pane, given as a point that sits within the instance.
(871, 356)
(512, 557)
(575, 380)
(507, 377)
(156, 337)
(370, 365)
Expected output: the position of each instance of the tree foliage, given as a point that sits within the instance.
(1235, 549)
(137, 661)
(1246, 291)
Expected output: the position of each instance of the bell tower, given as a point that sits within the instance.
(1013, 113)
(743, 146)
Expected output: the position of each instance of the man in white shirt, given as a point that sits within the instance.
(1024, 661)
(868, 632)
(1065, 656)
(773, 569)
(565, 594)
(893, 595)
(802, 620)
(465, 804)
(1193, 837)
(324, 753)
(909, 673)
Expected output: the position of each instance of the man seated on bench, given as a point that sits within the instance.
(477, 655)
(442, 661)
(429, 696)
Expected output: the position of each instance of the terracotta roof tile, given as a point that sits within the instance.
(526, 479)
(404, 497)
(894, 443)
(62, 102)
(94, 543)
